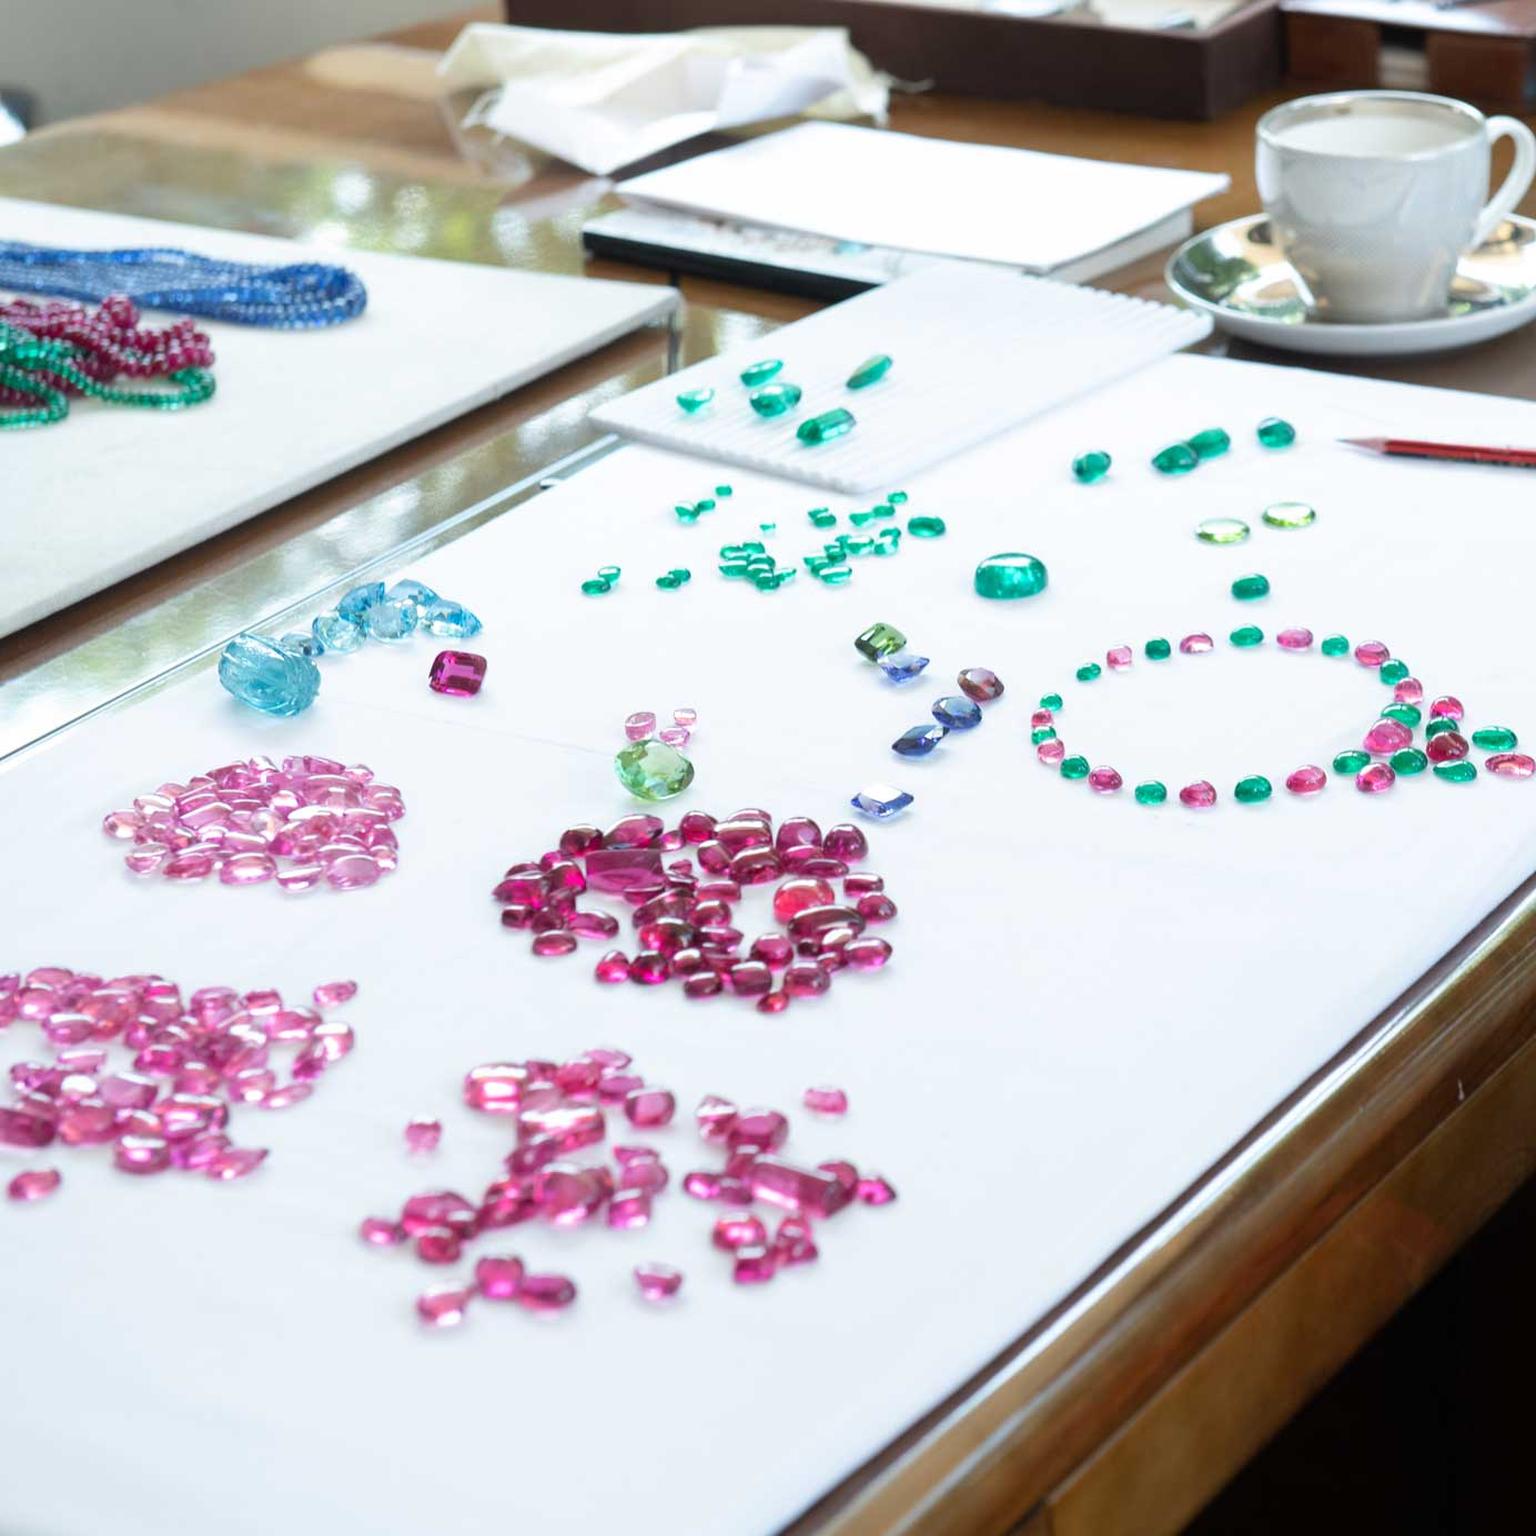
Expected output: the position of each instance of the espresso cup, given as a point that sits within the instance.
(1374, 195)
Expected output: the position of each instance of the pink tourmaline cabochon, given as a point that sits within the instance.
(1375, 778)
(1306, 780)
(1294, 639)
(1386, 737)
(1200, 796)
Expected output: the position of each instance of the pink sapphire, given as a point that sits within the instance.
(1446, 707)
(738, 1231)
(379, 1233)
(1409, 691)
(715, 1117)
(1447, 747)
(443, 1307)
(1050, 752)
(649, 1107)
(1105, 780)
(498, 1278)
(545, 1293)
(456, 673)
(438, 1245)
(758, 1128)
(1388, 736)
(826, 1101)
(629, 1209)
(18, 1128)
(614, 966)
(1371, 653)
(141, 1154)
(1510, 765)
(34, 1184)
(496, 1088)
(555, 942)
(754, 1265)
(674, 735)
(1294, 639)
(813, 1191)
(1199, 796)
(1306, 780)
(235, 1162)
(1118, 657)
(1196, 644)
(685, 715)
(875, 1191)
(640, 725)
(793, 1243)
(1375, 778)
(423, 1135)
(701, 1184)
(658, 1282)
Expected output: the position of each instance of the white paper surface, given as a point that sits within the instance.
(983, 201)
(1088, 1003)
(975, 352)
(110, 491)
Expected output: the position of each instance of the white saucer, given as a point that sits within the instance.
(1236, 275)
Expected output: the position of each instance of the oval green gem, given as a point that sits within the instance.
(1351, 762)
(926, 527)
(692, 401)
(651, 770)
(1050, 701)
(1290, 514)
(704, 506)
(1222, 530)
(1393, 671)
(760, 373)
(668, 583)
(1089, 467)
(1151, 793)
(1276, 432)
(823, 428)
(1246, 588)
(1074, 767)
(822, 518)
(1409, 761)
(1248, 634)
(1460, 772)
(1010, 575)
(725, 490)
(775, 399)
(1087, 673)
(836, 575)
(595, 586)
(609, 572)
(870, 371)
(1253, 789)
(682, 573)
(1041, 733)
(1335, 645)
(1438, 726)
(1495, 738)
(1175, 459)
(896, 498)
(1158, 650)
(1211, 443)
(1404, 714)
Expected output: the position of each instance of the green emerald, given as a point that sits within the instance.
(1151, 793)
(704, 506)
(1461, 772)
(733, 568)
(1074, 767)
(1393, 671)
(1041, 733)
(687, 515)
(682, 573)
(760, 373)
(926, 527)
(1253, 789)
(1290, 514)
(1246, 588)
(1175, 459)
(668, 583)
(1335, 645)
(1439, 726)
(767, 527)
(879, 640)
(870, 371)
(1087, 672)
(724, 490)
(651, 770)
(1211, 443)
(858, 546)
(1409, 761)
(882, 509)
(823, 428)
(859, 519)
(595, 586)
(609, 572)
(775, 399)
(836, 575)
(1404, 714)
(1495, 738)
(1010, 575)
(1222, 530)
(1050, 701)
(896, 498)
(694, 400)
(1274, 432)
(1089, 467)
(1352, 761)
(822, 518)
(1158, 650)
(1248, 634)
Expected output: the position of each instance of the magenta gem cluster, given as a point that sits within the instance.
(151, 1077)
(299, 822)
(559, 1110)
(683, 884)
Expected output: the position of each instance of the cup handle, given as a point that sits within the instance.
(1502, 203)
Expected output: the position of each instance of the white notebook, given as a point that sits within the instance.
(973, 354)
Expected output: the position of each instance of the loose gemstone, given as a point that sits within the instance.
(33, 1184)
(1459, 771)
(692, 401)
(595, 586)
(880, 801)
(1252, 790)
(822, 517)
(1408, 762)
(1199, 796)
(902, 666)
(1393, 672)
(1246, 635)
(826, 1101)
(846, 842)
(301, 643)
(261, 673)
(1309, 779)
(1511, 765)
(926, 527)
(1409, 691)
(1050, 701)
(1157, 649)
(1042, 734)
(1351, 761)
(1447, 707)
(1175, 459)
(1196, 644)
(1151, 793)
(835, 575)
(391, 619)
(879, 640)
(1211, 443)
(875, 1191)
(1274, 432)
(1090, 467)
(379, 1233)
(1335, 645)
(1446, 747)
(356, 603)
(1010, 575)
(1222, 530)
(775, 399)
(1375, 779)
(18, 1128)
(334, 633)
(823, 428)
(920, 740)
(1088, 672)
(1290, 514)
(653, 770)
(870, 371)
(1495, 738)
(1439, 726)
(498, 1278)
(1404, 714)
(423, 1135)
(456, 673)
(141, 1154)
(1246, 588)
(959, 713)
(640, 726)
(1074, 768)
(1371, 653)
(649, 1107)
(1104, 780)
(449, 620)
(1294, 639)
(658, 1282)
(759, 373)
(1388, 736)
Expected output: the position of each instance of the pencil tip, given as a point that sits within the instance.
(1376, 444)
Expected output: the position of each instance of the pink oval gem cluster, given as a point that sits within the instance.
(560, 1109)
(180, 1066)
(302, 822)
(684, 907)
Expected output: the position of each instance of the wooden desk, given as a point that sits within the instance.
(1148, 1387)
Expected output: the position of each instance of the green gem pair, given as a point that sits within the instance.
(606, 580)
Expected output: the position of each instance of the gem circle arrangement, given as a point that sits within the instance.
(1387, 751)
(299, 823)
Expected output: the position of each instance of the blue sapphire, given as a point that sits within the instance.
(881, 801)
(335, 633)
(450, 619)
(393, 619)
(957, 712)
(359, 600)
(259, 672)
(920, 740)
(903, 665)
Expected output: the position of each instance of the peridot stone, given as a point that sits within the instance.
(1153, 792)
(1393, 672)
(692, 401)
(1335, 645)
(760, 373)
(1290, 514)
(870, 371)
(879, 640)
(1404, 714)
(1252, 790)
(1246, 588)
(775, 399)
(1495, 738)
(1158, 650)
(1439, 726)
(1247, 635)
(1074, 767)
(1088, 671)
(1274, 432)
(1090, 467)
(1211, 443)
(1010, 575)
(1409, 761)
(823, 428)
(1222, 530)
(651, 770)
(1351, 761)
(926, 527)
(1175, 459)
(1459, 772)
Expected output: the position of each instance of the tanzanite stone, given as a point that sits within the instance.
(450, 619)
(920, 740)
(881, 801)
(392, 619)
(335, 633)
(957, 712)
(903, 665)
(359, 600)
(410, 589)
(259, 672)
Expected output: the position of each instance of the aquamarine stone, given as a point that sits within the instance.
(417, 592)
(259, 672)
(359, 600)
(920, 740)
(881, 801)
(903, 665)
(301, 644)
(393, 619)
(335, 633)
(450, 619)
(957, 713)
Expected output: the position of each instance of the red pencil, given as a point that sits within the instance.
(1466, 453)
